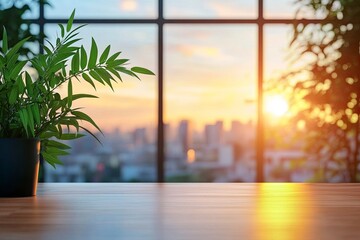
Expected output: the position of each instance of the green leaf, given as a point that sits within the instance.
(12, 60)
(85, 117)
(113, 57)
(63, 71)
(16, 48)
(80, 95)
(83, 58)
(70, 22)
(47, 50)
(117, 62)
(13, 95)
(51, 45)
(70, 93)
(16, 70)
(126, 71)
(36, 113)
(74, 123)
(71, 136)
(105, 54)
(62, 30)
(30, 121)
(93, 135)
(24, 120)
(96, 76)
(29, 83)
(88, 79)
(52, 160)
(59, 130)
(4, 41)
(55, 151)
(142, 70)
(75, 63)
(73, 33)
(20, 84)
(105, 76)
(113, 71)
(93, 54)
(47, 134)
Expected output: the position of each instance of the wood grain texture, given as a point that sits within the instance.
(184, 211)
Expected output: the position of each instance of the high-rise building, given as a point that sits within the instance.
(139, 137)
(214, 134)
(185, 135)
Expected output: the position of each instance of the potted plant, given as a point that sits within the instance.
(34, 117)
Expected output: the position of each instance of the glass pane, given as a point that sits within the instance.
(210, 9)
(33, 46)
(287, 9)
(32, 12)
(284, 155)
(103, 9)
(210, 102)
(127, 116)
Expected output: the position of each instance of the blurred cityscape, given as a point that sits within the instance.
(213, 154)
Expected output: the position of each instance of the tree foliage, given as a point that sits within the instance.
(12, 18)
(31, 106)
(330, 90)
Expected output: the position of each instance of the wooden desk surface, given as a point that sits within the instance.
(199, 211)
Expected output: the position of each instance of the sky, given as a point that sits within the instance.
(209, 71)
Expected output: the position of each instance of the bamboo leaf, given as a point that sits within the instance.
(70, 136)
(85, 117)
(13, 95)
(142, 70)
(105, 54)
(113, 71)
(24, 121)
(70, 93)
(88, 79)
(105, 76)
(16, 48)
(83, 57)
(70, 22)
(96, 76)
(36, 113)
(29, 87)
(93, 135)
(93, 54)
(117, 62)
(75, 63)
(30, 120)
(51, 159)
(16, 70)
(113, 57)
(62, 29)
(4, 41)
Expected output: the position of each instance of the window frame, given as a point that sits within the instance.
(160, 21)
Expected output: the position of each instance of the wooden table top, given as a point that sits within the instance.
(175, 211)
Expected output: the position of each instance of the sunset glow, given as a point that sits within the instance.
(191, 155)
(276, 105)
(128, 5)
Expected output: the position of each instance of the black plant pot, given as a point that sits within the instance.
(19, 167)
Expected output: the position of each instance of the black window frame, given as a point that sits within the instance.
(160, 21)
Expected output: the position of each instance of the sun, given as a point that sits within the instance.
(276, 105)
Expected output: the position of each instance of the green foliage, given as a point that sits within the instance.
(31, 107)
(11, 18)
(331, 92)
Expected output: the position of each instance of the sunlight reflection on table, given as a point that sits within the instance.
(283, 211)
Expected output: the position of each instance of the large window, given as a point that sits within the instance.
(201, 118)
